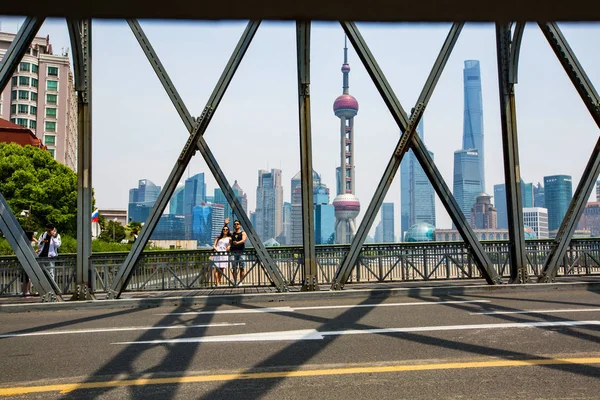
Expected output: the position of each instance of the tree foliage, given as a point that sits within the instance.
(31, 178)
(113, 232)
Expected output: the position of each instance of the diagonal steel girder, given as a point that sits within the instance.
(508, 51)
(408, 138)
(264, 257)
(309, 272)
(590, 97)
(195, 142)
(13, 56)
(49, 291)
(80, 33)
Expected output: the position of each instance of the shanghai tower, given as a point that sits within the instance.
(469, 171)
(473, 115)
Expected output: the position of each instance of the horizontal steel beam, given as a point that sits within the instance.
(348, 10)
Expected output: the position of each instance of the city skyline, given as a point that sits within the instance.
(263, 99)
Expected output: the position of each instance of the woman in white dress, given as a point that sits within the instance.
(221, 245)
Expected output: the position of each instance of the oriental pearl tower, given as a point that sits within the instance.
(346, 204)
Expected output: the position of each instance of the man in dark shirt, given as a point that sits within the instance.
(238, 245)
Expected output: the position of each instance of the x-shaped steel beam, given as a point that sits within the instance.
(408, 139)
(195, 142)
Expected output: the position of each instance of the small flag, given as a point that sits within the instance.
(95, 216)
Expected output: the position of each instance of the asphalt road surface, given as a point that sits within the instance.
(500, 345)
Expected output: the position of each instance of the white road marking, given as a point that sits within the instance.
(558, 310)
(313, 334)
(294, 309)
(129, 328)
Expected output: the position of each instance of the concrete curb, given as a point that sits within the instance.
(218, 300)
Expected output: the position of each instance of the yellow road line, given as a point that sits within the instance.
(69, 387)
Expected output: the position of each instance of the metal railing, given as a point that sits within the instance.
(387, 262)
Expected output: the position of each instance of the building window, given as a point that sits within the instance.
(51, 98)
(34, 82)
(34, 68)
(23, 81)
(51, 151)
(51, 112)
(52, 85)
(13, 95)
(13, 108)
(13, 120)
(22, 122)
(23, 95)
(14, 80)
(49, 140)
(24, 67)
(52, 71)
(33, 110)
(33, 96)
(23, 108)
(50, 126)
(32, 124)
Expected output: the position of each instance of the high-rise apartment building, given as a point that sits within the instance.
(558, 191)
(598, 191)
(269, 204)
(527, 198)
(537, 219)
(473, 115)
(417, 197)
(387, 219)
(467, 184)
(483, 213)
(41, 97)
(141, 200)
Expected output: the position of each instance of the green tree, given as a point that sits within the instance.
(113, 232)
(31, 179)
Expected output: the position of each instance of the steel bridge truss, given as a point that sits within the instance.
(508, 39)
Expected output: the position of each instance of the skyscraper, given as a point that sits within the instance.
(42, 90)
(141, 200)
(219, 198)
(269, 204)
(558, 191)
(176, 203)
(347, 206)
(483, 213)
(527, 198)
(287, 224)
(538, 196)
(296, 206)
(473, 115)
(194, 195)
(466, 185)
(202, 225)
(324, 216)
(417, 197)
(387, 219)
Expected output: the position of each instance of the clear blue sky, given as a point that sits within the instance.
(138, 134)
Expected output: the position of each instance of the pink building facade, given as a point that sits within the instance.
(41, 97)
